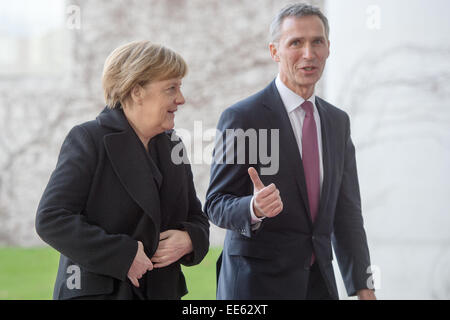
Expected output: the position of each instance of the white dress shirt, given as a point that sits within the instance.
(292, 102)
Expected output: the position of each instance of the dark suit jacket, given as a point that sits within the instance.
(273, 261)
(104, 195)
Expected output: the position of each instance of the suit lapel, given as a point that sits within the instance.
(325, 124)
(280, 120)
(131, 164)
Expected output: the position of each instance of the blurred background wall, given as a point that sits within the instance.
(388, 68)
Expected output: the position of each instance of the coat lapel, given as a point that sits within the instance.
(173, 182)
(131, 164)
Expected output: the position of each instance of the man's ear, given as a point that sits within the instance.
(274, 52)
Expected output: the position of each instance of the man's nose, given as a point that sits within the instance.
(308, 51)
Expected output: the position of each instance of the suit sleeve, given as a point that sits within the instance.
(60, 220)
(349, 238)
(197, 226)
(230, 190)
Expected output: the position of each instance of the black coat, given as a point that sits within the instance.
(273, 262)
(105, 194)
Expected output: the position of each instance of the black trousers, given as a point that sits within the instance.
(317, 289)
(125, 290)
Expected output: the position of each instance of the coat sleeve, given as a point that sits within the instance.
(230, 190)
(349, 238)
(197, 225)
(60, 219)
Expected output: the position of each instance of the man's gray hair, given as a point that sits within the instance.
(295, 10)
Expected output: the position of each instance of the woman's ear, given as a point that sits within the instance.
(136, 94)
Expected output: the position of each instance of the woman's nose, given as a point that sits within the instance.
(180, 98)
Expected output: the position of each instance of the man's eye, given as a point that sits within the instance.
(295, 43)
(318, 41)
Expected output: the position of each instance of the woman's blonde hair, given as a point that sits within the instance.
(138, 63)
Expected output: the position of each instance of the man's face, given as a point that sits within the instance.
(301, 52)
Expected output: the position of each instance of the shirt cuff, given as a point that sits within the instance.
(254, 218)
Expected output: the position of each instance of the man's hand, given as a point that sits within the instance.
(267, 201)
(173, 244)
(141, 264)
(366, 294)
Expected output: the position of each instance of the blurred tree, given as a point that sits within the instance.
(224, 43)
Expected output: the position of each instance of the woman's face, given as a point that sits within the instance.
(154, 107)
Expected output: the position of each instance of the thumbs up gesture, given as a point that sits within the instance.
(267, 201)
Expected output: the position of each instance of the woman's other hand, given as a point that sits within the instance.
(141, 264)
(173, 244)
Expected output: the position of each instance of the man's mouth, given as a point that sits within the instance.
(308, 70)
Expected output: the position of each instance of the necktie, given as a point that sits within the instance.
(310, 159)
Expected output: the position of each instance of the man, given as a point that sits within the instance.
(280, 226)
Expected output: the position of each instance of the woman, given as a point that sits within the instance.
(122, 214)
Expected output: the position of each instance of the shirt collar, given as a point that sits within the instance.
(290, 99)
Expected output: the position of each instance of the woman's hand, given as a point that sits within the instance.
(141, 264)
(173, 244)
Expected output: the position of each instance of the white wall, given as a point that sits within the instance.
(389, 69)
